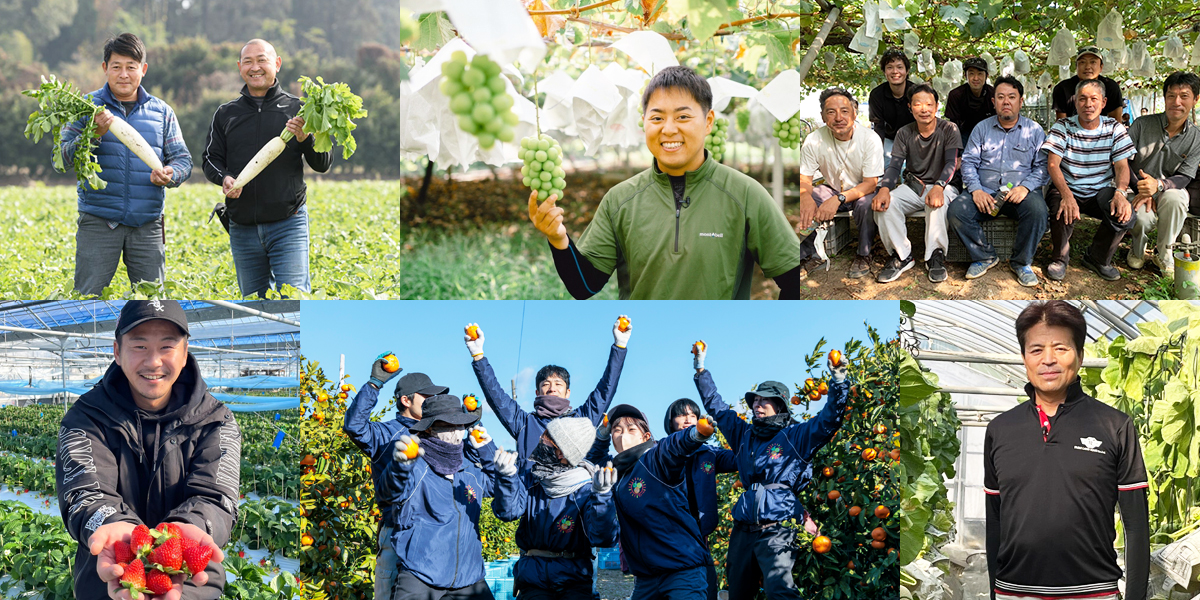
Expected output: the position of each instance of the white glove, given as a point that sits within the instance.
(838, 372)
(695, 433)
(621, 338)
(506, 463)
(402, 443)
(699, 349)
(602, 432)
(484, 438)
(475, 345)
(604, 479)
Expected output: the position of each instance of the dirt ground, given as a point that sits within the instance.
(612, 584)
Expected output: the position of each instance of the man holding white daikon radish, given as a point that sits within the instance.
(261, 173)
(144, 154)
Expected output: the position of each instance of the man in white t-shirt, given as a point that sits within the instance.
(850, 158)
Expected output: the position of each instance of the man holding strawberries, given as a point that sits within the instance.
(149, 446)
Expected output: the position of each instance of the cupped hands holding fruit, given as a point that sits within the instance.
(622, 329)
(473, 336)
(478, 437)
(138, 562)
(385, 367)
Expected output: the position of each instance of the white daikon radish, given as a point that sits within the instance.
(265, 155)
(135, 142)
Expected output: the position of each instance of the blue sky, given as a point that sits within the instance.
(748, 342)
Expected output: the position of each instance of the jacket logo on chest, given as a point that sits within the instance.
(1090, 444)
(707, 467)
(637, 487)
(470, 492)
(776, 451)
(566, 524)
(712, 235)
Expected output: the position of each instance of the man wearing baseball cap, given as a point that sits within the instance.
(437, 497)
(375, 439)
(147, 445)
(971, 102)
(1088, 65)
(773, 453)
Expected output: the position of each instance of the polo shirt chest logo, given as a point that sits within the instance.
(1090, 444)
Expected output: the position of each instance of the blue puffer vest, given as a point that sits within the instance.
(130, 198)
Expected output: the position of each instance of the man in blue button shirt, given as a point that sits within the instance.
(1003, 151)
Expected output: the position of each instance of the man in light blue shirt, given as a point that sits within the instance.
(1003, 152)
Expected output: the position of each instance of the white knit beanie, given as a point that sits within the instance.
(573, 436)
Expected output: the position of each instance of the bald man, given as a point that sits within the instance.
(267, 219)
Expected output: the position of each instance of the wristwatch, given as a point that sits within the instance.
(842, 197)
(1161, 187)
(940, 183)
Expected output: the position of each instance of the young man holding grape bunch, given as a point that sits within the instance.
(686, 228)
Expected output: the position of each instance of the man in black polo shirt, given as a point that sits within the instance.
(970, 103)
(888, 103)
(1088, 65)
(1054, 469)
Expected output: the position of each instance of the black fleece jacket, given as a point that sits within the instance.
(106, 473)
(239, 129)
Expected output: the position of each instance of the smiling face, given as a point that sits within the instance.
(685, 420)
(1088, 66)
(763, 407)
(675, 129)
(976, 79)
(151, 356)
(924, 108)
(895, 72)
(258, 65)
(1051, 360)
(554, 386)
(839, 114)
(1180, 102)
(1007, 102)
(1089, 103)
(124, 75)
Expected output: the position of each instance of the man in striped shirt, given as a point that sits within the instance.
(1088, 160)
(1055, 468)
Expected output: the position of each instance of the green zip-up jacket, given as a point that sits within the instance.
(702, 250)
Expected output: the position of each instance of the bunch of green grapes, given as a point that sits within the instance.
(715, 141)
(641, 111)
(790, 132)
(478, 96)
(543, 172)
(743, 119)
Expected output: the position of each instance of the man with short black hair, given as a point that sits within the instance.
(1168, 154)
(850, 159)
(553, 385)
(1003, 152)
(1088, 65)
(268, 219)
(1088, 161)
(125, 218)
(929, 146)
(1055, 468)
(686, 228)
(970, 103)
(888, 102)
(148, 445)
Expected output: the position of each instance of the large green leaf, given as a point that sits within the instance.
(1146, 344)
(914, 385)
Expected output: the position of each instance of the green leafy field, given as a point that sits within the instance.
(358, 249)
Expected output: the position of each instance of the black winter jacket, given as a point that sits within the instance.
(106, 474)
(239, 129)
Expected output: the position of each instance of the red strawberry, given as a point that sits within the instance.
(186, 543)
(125, 554)
(197, 558)
(134, 579)
(168, 556)
(140, 541)
(170, 529)
(158, 582)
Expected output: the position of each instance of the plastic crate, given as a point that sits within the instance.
(502, 587)
(1191, 226)
(499, 569)
(1001, 233)
(840, 234)
(608, 558)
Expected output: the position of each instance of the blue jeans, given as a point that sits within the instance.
(269, 255)
(688, 584)
(1032, 220)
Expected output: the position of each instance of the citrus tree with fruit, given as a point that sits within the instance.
(853, 495)
(339, 520)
